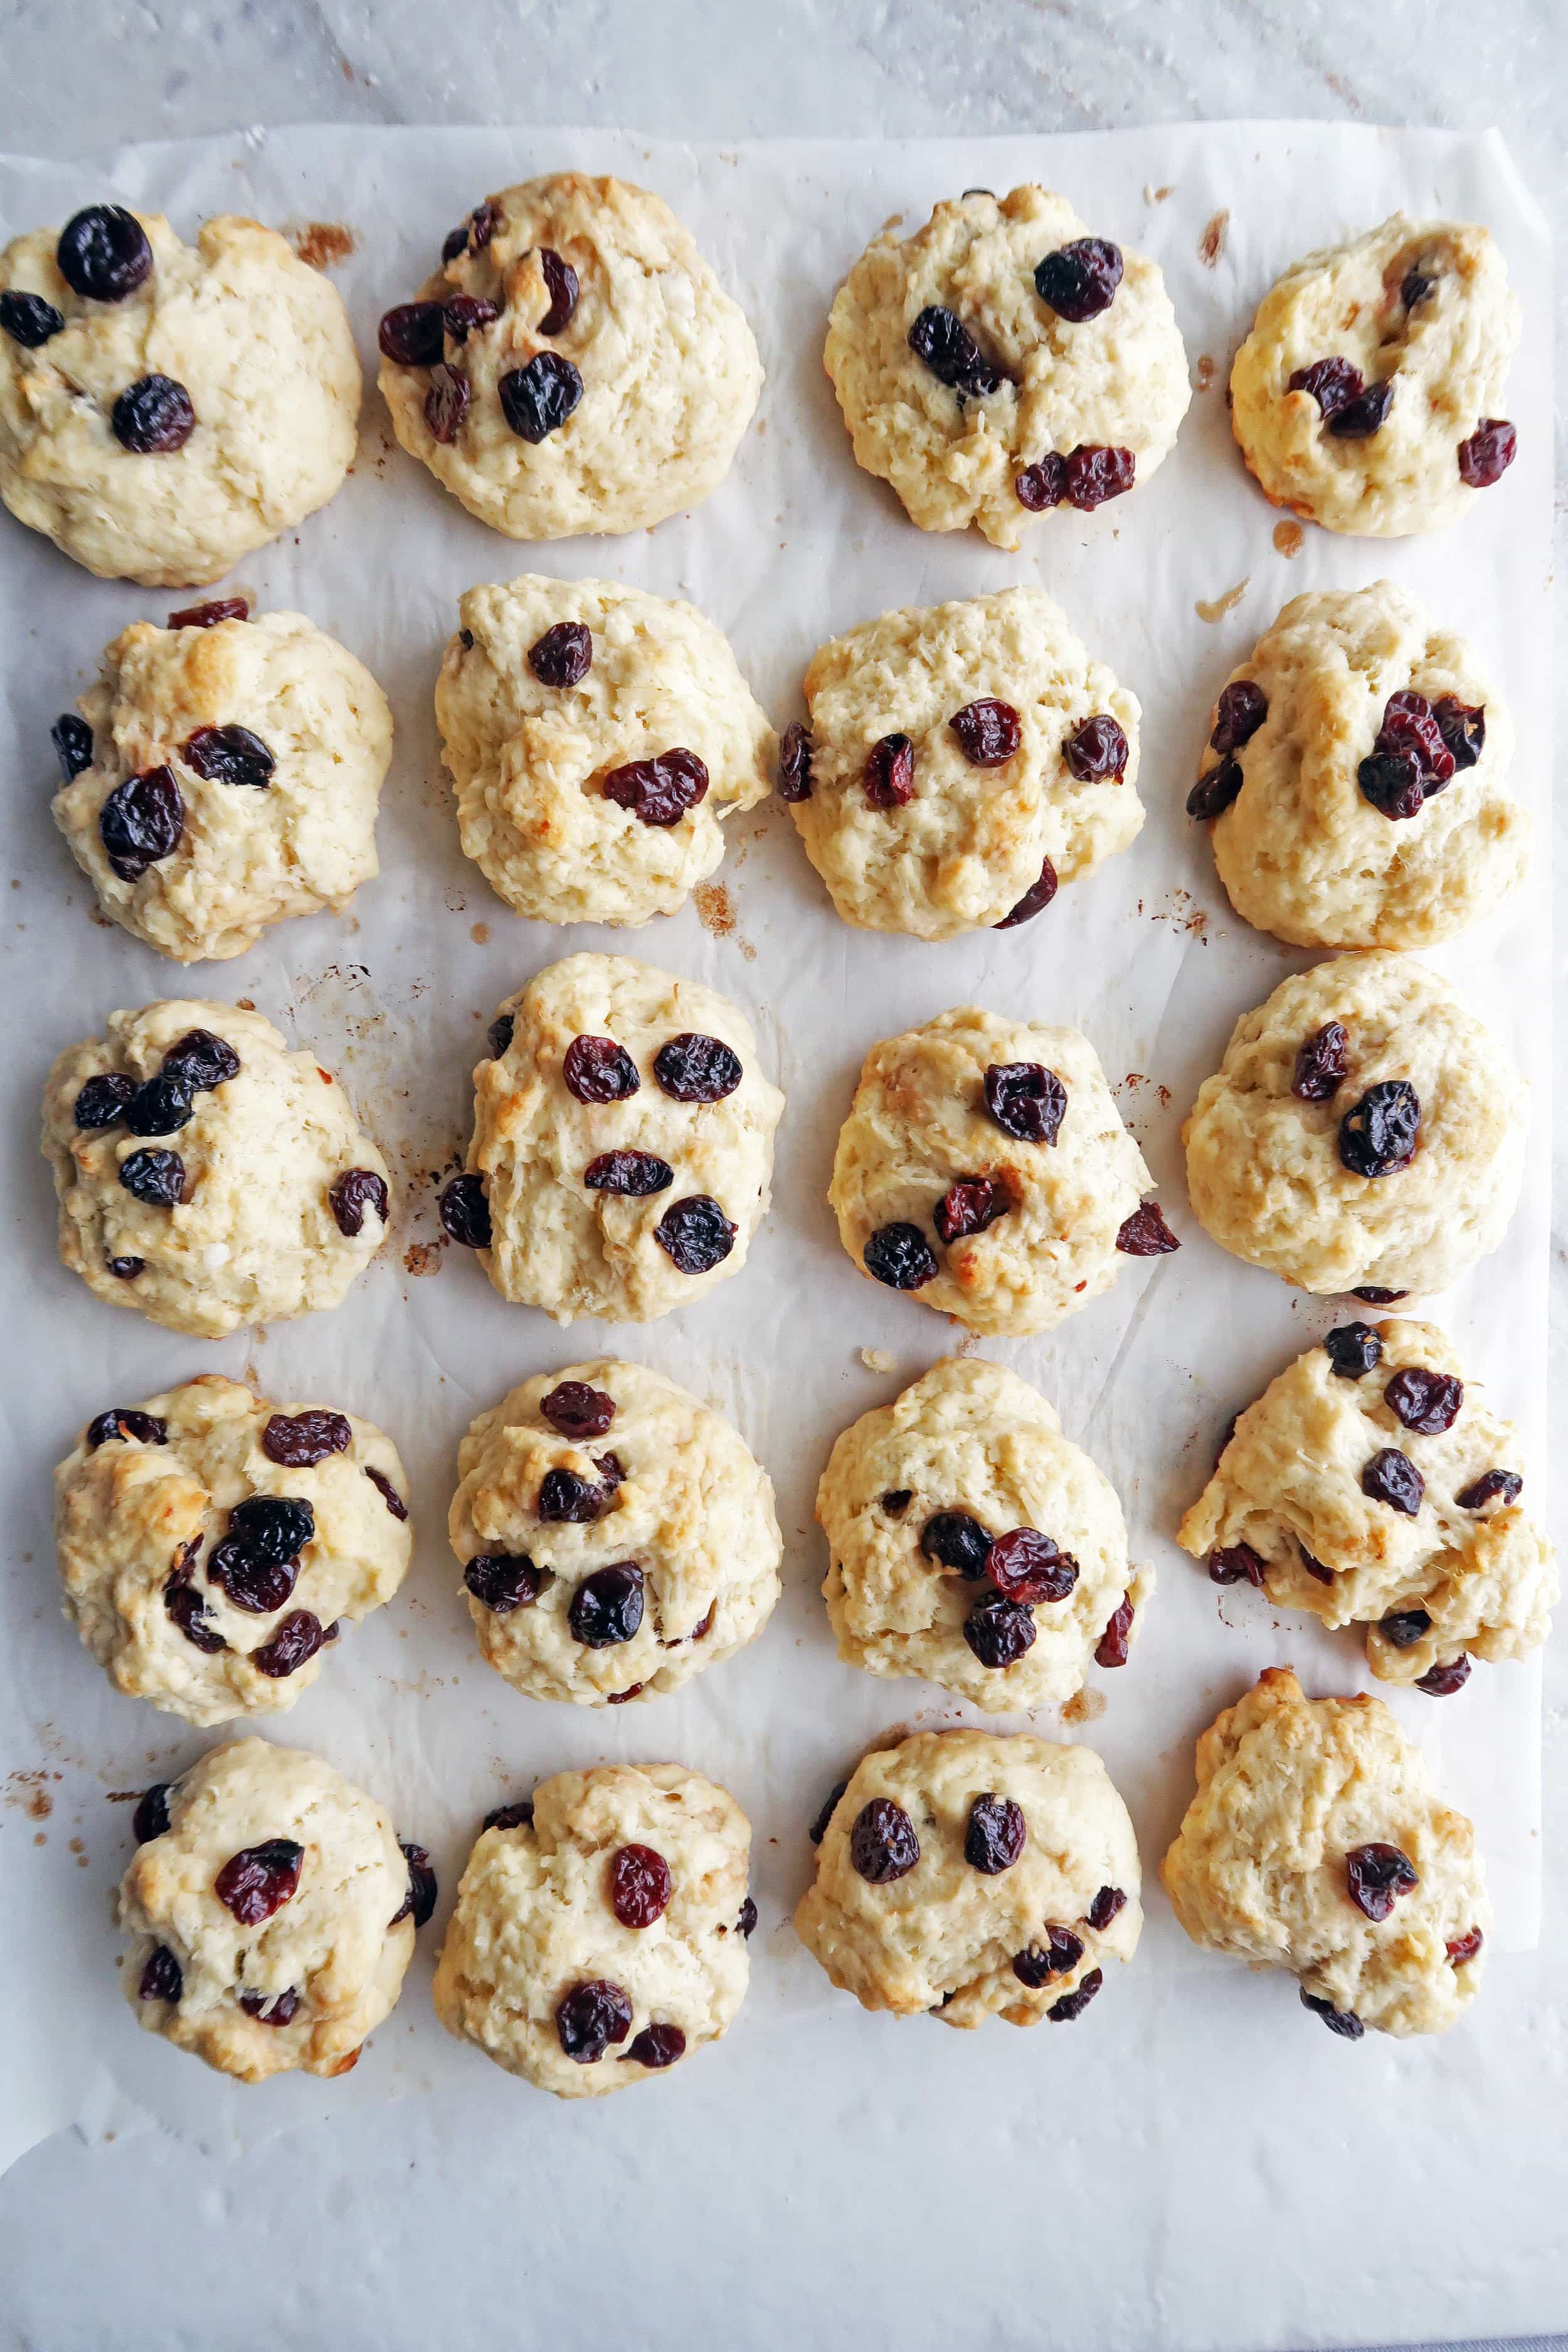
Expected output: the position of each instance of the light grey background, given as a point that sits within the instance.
(399, 2229)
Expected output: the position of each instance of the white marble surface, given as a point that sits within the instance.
(430, 2222)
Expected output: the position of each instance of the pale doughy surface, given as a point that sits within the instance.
(1289, 1480)
(246, 858)
(669, 368)
(962, 854)
(1447, 357)
(572, 1251)
(968, 1436)
(335, 1943)
(1301, 852)
(1263, 1167)
(528, 761)
(1117, 381)
(692, 1509)
(254, 1239)
(128, 1510)
(1287, 1787)
(261, 343)
(534, 1920)
(943, 1938)
(919, 1123)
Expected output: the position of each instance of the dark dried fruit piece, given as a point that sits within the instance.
(518, 1816)
(1213, 791)
(590, 2018)
(578, 1411)
(1489, 453)
(469, 314)
(28, 320)
(1376, 1876)
(999, 1630)
(897, 1501)
(293, 1645)
(128, 1425)
(1390, 782)
(1444, 1679)
(1406, 1627)
(446, 404)
(1073, 2004)
(259, 1879)
(1489, 1487)
(1240, 713)
(72, 740)
(597, 1070)
(1427, 1402)
(746, 1923)
(151, 1818)
(1026, 1100)
(1333, 384)
(155, 1178)
(818, 1829)
(483, 223)
(1321, 1064)
(184, 1607)
(888, 775)
(536, 400)
(1035, 900)
(161, 1978)
(388, 1491)
(900, 1256)
(1358, 420)
(1097, 752)
(995, 1835)
(277, 2010)
(1414, 288)
(635, 1173)
(564, 655)
(1393, 1478)
(350, 1194)
(695, 1234)
(882, 1844)
(1095, 474)
(1353, 1349)
(412, 334)
(1058, 1952)
(103, 253)
(1079, 280)
(941, 339)
(561, 281)
(141, 822)
(273, 1526)
(126, 1269)
(1042, 485)
(203, 1060)
(152, 417)
(1105, 1906)
(298, 1440)
(1235, 1564)
(499, 1037)
(1314, 1567)
(640, 1885)
(1145, 1232)
(567, 1499)
(794, 763)
(250, 1581)
(607, 1607)
(419, 1903)
(503, 1581)
(693, 1068)
(1410, 726)
(1027, 1566)
(1463, 727)
(229, 755)
(1378, 1138)
(969, 1207)
(465, 1213)
(208, 616)
(660, 792)
(988, 732)
(1112, 1648)
(1342, 2021)
(655, 2045)
(162, 1104)
(1375, 1294)
(1464, 1948)
(957, 1541)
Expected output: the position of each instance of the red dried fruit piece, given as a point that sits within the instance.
(1406, 1627)
(590, 2018)
(516, 1816)
(1463, 727)
(561, 283)
(1375, 1294)
(1097, 752)
(1026, 1566)
(882, 1844)
(694, 1068)
(126, 1424)
(259, 1879)
(184, 1605)
(161, 1978)
(1393, 1478)
(275, 2010)
(889, 772)
(298, 1440)
(1145, 1232)
(988, 732)
(1112, 1646)
(250, 1582)
(536, 400)
(412, 334)
(1358, 420)
(1332, 383)
(419, 1903)
(1444, 1679)
(999, 1630)
(1035, 900)
(607, 1607)
(469, 314)
(1321, 1064)
(1079, 280)
(141, 822)
(1214, 791)
(656, 2046)
(1489, 453)
(388, 1491)
(1410, 726)
(503, 1581)
(941, 339)
(993, 1835)
(1353, 1349)
(969, 1206)
(1240, 713)
(1342, 2021)
(1376, 1876)
(1314, 1567)
(597, 1070)
(1427, 1402)
(1043, 485)
(353, 1192)
(660, 792)
(202, 1060)
(1058, 1952)
(695, 1234)
(578, 1411)
(1073, 2004)
(293, 1645)
(465, 1213)
(483, 223)
(446, 402)
(956, 1540)
(1378, 1138)
(1489, 1487)
(567, 1498)
(157, 1179)
(640, 1885)
(1105, 1906)
(564, 655)
(1391, 783)
(897, 1501)
(208, 616)
(899, 1255)
(1464, 1948)
(1026, 1100)
(636, 1174)
(151, 1818)
(1235, 1564)
(794, 763)
(152, 417)
(1095, 474)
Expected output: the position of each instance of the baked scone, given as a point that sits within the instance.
(1363, 1133)
(962, 762)
(616, 1535)
(166, 408)
(1366, 396)
(1315, 1843)
(270, 1913)
(973, 1544)
(623, 1144)
(999, 1140)
(1356, 775)
(223, 775)
(206, 1176)
(601, 1926)
(573, 365)
(1003, 361)
(1370, 1485)
(973, 1874)
(211, 1542)
(597, 738)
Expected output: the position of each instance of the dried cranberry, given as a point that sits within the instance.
(567, 1499)
(1489, 453)
(1406, 1627)
(1027, 1566)
(250, 1580)
(1097, 752)
(72, 740)
(1427, 1402)
(125, 1423)
(900, 1256)
(746, 1922)
(259, 1879)
(1333, 384)
(446, 404)
(1213, 791)
(607, 1607)
(1240, 713)
(536, 400)
(1376, 1876)
(1026, 1100)
(141, 822)
(1314, 1567)
(1321, 1063)
(578, 1411)
(1463, 727)
(1235, 1564)
(152, 417)
(1464, 1948)
(155, 1178)
(229, 755)
(818, 1829)
(1095, 474)
(597, 1070)
(1073, 2004)
(988, 732)
(1489, 1487)
(897, 1501)
(882, 1843)
(28, 320)
(957, 1541)
(1353, 1349)
(564, 655)
(999, 1630)
(794, 763)
(1443, 1680)
(660, 792)
(1410, 726)
(590, 2018)
(1414, 288)
(519, 1816)
(388, 1491)
(414, 334)
(1342, 2021)
(693, 1068)
(1393, 1478)
(1378, 1138)
(1105, 1906)
(995, 1835)
(162, 1104)
(419, 1903)
(888, 775)
(274, 1527)
(483, 223)
(184, 1607)
(203, 1060)
(465, 1213)
(1145, 1232)
(277, 2010)
(1375, 1294)
(161, 1977)
(695, 1234)
(126, 1269)
(1391, 783)
(561, 281)
(293, 1645)
(1112, 1648)
(1358, 420)
(503, 1581)
(151, 1818)
(469, 314)
(499, 1036)
(1079, 280)
(1059, 1951)
(299, 1441)
(635, 1173)
(1035, 900)
(969, 1207)
(942, 339)
(208, 616)
(640, 1885)
(655, 2045)
(350, 1194)
(1042, 485)
(103, 253)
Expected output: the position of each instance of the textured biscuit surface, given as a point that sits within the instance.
(528, 761)
(972, 840)
(1118, 380)
(534, 1921)
(261, 344)
(246, 856)
(1446, 355)
(1263, 1168)
(943, 1936)
(336, 1944)
(682, 1496)
(1287, 1787)
(670, 376)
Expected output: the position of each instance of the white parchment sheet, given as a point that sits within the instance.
(1145, 957)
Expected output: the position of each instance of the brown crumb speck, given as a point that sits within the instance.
(1211, 244)
(480, 933)
(1288, 538)
(323, 243)
(714, 910)
(1216, 608)
(246, 1003)
(422, 1257)
(1204, 373)
(1085, 1707)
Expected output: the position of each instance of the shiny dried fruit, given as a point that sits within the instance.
(957, 1541)
(298, 1440)
(151, 1818)
(249, 1580)
(1214, 791)
(794, 763)
(999, 1630)
(1145, 1232)
(1079, 280)
(597, 1070)
(1353, 1349)
(28, 320)
(590, 2018)
(469, 314)
(1342, 2021)
(1105, 1906)
(184, 1607)
(350, 1194)
(564, 655)
(125, 1425)
(1321, 1064)
(636, 1174)
(518, 1816)
(888, 775)
(503, 1581)
(229, 755)
(1112, 1646)
(660, 792)
(275, 2010)
(155, 1178)
(1463, 727)
(1097, 752)
(578, 1411)
(1026, 1100)
(818, 1829)
(988, 732)
(412, 334)
(995, 1835)
(126, 1269)
(695, 1234)
(897, 1501)
(1027, 1566)
(1393, 1478)
(141, 822)
(1035, 900)
(1376, 1876)
(900, 1256)
(1444, 1679)
(1073, 2004)
(1095, 474)
(1376, 1294)
(1235, 1564)
(882, 1843)
(561, 282)
(1379, 1136)
(1391, 783)
(969, 1206)
(1043, 485)
(72, 740)
(162, 1104)
(536, 400)
(273, 1526)
(568, 1500)
(747, 1921)
(419, 1903)
(1491, 1486)
(1240, 713)
(103, 253)
(293, 1645)
(656, 2046)
(388, 1491)
(161, 1977)
(1058, 1952)
(607, 1607)
(208, 616)
(1358, 420)
(202, 1060)
(152, 417)
(465, 1213)
(1464, 1948)
(941, 339)
(1406, 1627)
(1489, 453)
(446, 404)
(1427, 1402)
(1333, 384)
(640, 1885)
(259, 1879)
(692, 1068)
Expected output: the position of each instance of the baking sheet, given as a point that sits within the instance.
(1145, 957)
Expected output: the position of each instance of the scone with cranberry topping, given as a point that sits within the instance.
(1315, 1843)
(166, 408)
(971, 1543)
(597, 738)
(600, 1933)
(573, 365)
(962, 762)
(1367, 396)
(983, 1166)
(211, 1542)
(1003, 361)
(206, 1175)
(970, 1874)
(616, 1535)
(270, 1913)
(1356, 778)
(223, 775)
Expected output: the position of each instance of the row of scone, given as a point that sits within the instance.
(960, 763)
(601, 1926)
(573, 365)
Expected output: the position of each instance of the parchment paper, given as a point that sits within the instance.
(1145, 957)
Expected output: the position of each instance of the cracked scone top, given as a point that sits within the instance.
(573, 365)
(1357, 777)
(600, 1931)
(1371, 1484)
(1364, 1130)
(1367, 396)
(206, 1176)
(270, 1913)
(166, 408)
(1002, 360)
(963, 760)
(211, 1543)
(616, 1535)
(597, 738)
(227, 778)
(973, 1874)
(973, 1544)
(1315, 1843)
